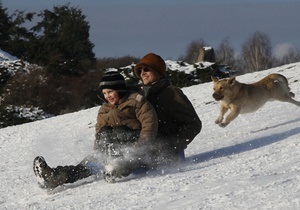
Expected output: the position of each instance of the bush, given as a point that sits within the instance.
(14, 115)
(53, 93)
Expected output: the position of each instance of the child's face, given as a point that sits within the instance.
(111, 96)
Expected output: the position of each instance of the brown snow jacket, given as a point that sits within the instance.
(133, 111)
(178, 120)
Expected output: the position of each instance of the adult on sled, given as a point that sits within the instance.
(125, 132)
(178, 122)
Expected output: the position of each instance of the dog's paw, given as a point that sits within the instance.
(223, 125)
(217, 121)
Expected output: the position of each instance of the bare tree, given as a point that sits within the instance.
(257, 52)
(193, 50)
(225, 53)
(292, 56)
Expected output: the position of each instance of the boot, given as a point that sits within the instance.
(52, 177)
(47, 177)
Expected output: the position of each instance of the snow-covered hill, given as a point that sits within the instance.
(4, 56)
(253, 163)
(12, 63)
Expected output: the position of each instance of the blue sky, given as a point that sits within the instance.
(136, 27)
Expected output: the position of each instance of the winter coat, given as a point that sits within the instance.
(133, 111)
(178, 121)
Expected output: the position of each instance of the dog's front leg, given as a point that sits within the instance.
(223, 110)
(234, 112)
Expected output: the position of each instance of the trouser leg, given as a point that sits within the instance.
(71, 173)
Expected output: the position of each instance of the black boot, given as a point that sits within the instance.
(53, 177)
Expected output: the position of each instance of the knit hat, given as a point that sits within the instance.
(113, 80)
(153, 61)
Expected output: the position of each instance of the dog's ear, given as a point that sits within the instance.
(231, 81)
(214, 79)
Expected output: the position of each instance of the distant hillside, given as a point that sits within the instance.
(29, 92)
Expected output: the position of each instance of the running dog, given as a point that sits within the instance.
(245, 98)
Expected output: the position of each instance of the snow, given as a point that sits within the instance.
(253, 163)
(4, 56)
(185, 67)
(182, 66)
(12, 63)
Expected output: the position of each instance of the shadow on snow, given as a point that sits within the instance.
(243, 147)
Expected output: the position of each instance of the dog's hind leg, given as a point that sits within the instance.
(291, 100)
(288, 97)
(283, 93)
(291, 94)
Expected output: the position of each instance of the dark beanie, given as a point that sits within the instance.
(113, 80)
(153, 61)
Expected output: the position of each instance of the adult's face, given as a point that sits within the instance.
(148, 75)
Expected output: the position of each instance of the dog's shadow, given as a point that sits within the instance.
(275, 126)
(243, 147)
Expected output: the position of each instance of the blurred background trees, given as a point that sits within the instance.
(61, 41)
(57, 71)
(257, 52)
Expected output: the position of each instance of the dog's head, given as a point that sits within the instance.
(222, 87)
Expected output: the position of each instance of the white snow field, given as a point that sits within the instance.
(253, 163)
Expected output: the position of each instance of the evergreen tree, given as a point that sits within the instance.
(20, 37)
(5, 25)
(63, 43)
(14, 37)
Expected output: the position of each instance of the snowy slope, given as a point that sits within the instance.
(253, 163)
(4, 56)
(12, 63)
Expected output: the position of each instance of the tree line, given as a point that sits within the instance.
(256, 54)
(66, 75)
(59, 41)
